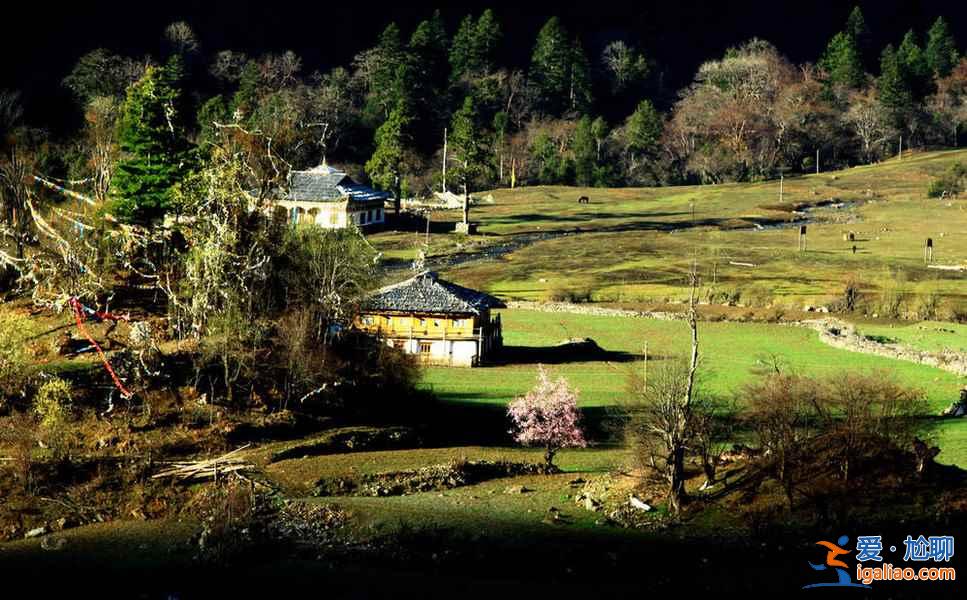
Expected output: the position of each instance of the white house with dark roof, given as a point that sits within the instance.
(328, 197)
(441, 322)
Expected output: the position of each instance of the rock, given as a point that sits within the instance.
(591, 504)
(578, 481)
(39, 531)
(516, 489)
(62, 524)
(640, 504)
(808, 308)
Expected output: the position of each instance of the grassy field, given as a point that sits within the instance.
(931, 336)
(731, 355)
(635, 245)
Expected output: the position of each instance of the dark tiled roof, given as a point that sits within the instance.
(429, 294)
(325, 184)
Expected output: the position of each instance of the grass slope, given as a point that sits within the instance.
(635, 244)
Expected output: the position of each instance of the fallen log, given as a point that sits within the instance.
(206, 469)
(736, 263)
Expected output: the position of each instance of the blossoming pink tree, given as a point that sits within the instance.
(547, 416)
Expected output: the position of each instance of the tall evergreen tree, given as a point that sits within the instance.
(842, 62)
(385, 84)
(914, 65)
(585, 152)
(857, 29)
(469, 151)
(386, 166)
(941, 52)
(429, 74)
(154, 150)
(486, 42)
(893, 88)
(559, 69)
(474, 49)
(462, 48)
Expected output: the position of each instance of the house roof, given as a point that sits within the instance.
(429, 294)
(326, 184)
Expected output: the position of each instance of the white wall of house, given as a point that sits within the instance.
(333, 215)
(458, 353)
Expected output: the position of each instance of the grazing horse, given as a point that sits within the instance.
(584, 200)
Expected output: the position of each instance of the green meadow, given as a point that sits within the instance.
(731, 356)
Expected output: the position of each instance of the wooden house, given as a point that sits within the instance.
(328, 197)
(442, 322)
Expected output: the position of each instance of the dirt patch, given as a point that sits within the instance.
(425, 479)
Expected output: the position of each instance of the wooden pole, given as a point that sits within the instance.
(444, 184)
(645, 367)
(780, 187)
(428, 230)
(817, 161)
(900, 156)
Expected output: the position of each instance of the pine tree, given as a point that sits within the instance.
(487, 42)
(469, 150)
(941, 51)
(914, 65)
(842, 62)
(643, 129)
(154, 151)
(462, 48)
(893, 88)
(473, 52)
(584, 153)
(857, 29)
(560, 71)
(428, 73)
(385, 83)
(386, 166)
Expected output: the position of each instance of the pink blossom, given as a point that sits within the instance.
(547, 416)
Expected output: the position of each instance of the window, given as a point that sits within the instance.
(436, 323)
(422, 322)
(333, 217)
(424, 347)
(362, 217)
(399, 344)
(458, 322)
(368, 320)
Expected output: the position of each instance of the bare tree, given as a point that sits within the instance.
(661, 421)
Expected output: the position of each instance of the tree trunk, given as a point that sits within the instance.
(676, 488)
(466, 204)
(549, 453)
(397, 192)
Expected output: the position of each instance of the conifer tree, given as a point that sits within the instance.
(469, 150)
(154, 151)
(386, 166)
(842, 62)
(559, 69)
(941, 52)
(857, 29)
(893, 88)
(914, 65)
(584, 153)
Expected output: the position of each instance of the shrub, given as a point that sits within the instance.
(949, 183)
(15, 330)
(52, 406)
